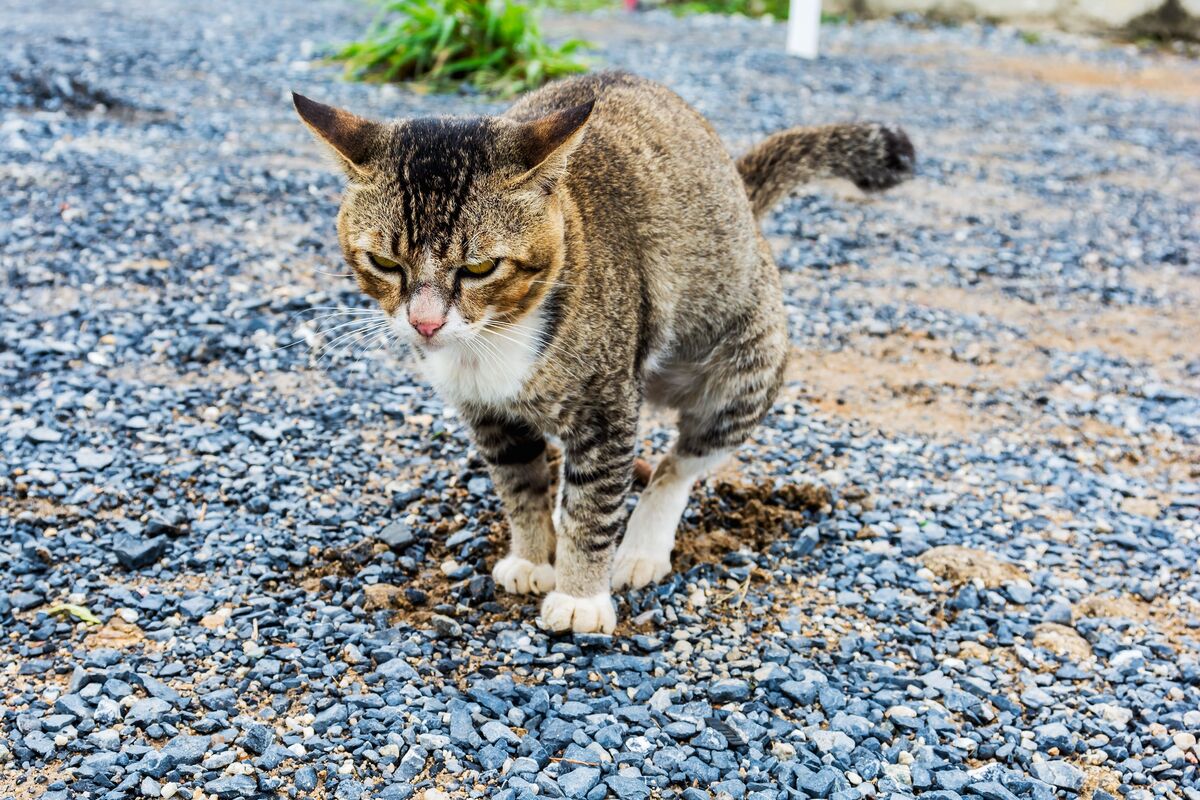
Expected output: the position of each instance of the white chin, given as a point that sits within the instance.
(491, 372)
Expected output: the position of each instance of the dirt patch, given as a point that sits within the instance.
(1062, 640)
(1103, 606)
(1153, 335)
(339, 563)
(382, 596)
(738, 515)
(896, 386)
(119, 635)
(28, 783)
(1099, 779)
(1156, 619)
(1181, 82)
(958, 564)
(1143, 506)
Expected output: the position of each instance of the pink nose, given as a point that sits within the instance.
(427, 327)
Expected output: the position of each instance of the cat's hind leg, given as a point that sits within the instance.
(721, 399)
(644, 555)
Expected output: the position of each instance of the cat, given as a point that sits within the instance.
(554, 267)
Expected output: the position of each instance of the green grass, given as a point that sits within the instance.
(494, 45)
(750, 8)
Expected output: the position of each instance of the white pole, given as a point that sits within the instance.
(803, 28)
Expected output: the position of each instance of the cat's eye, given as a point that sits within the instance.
(480, 268)
(385, 264)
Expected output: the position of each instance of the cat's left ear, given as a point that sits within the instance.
(545, 145)
(352, 138)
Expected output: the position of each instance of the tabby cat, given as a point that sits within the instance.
(554, 267)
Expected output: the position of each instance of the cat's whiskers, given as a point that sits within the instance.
(364, 351)
(334, 311)
(541, 338)
(357, 314)
(494, 358)
(354, 337)
(361, 325)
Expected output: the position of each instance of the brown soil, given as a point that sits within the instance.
(119, 634)
(740, 515)
(1062, 640)
(1168, 619)
(911, 382)
(1173, 79)
(961, 564)
(1099, 779)
(896, 386)
(1108, 606)
(28, 783)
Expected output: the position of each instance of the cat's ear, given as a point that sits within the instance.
(545, 145)
(352, 139)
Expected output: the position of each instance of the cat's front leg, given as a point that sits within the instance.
(596, 475)
(516, 457)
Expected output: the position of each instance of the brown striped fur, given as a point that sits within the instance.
(631, 269)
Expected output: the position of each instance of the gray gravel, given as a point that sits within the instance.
(957, 561)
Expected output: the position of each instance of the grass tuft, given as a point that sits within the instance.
(495, 46)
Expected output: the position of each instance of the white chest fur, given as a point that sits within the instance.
(488, 369)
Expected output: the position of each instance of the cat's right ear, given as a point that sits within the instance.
(352, 139)
(545, 145)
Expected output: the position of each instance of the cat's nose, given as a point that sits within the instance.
(427, 327)
(426, 311)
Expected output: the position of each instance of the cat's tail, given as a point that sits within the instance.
(871, 155)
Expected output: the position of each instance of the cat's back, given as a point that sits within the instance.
(648, 161)
(619, 95)
(638, 127)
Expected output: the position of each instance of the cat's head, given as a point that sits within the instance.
(454, 226)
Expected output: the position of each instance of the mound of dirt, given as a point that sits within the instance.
(959, 564)
(738, 515)
(1101, 606)
(1062, 640)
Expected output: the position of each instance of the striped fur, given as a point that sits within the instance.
(629, 269)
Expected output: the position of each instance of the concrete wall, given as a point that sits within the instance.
(1171, 18)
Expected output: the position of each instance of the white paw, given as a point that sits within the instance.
(521, 576)
(635, 569)
(565, 612)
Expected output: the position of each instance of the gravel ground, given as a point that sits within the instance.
(957, 560)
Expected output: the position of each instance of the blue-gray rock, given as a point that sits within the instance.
(732, 787)
(197, 606)
(397, 669)
(147, 711)
(232, 786)
(396, 791)
(219, 700)
(348, 789)
(74, 705)
(495, 731)
(187, 749)
(579, 781)
(98, 764)
(626, 788)
(397, 535)
(134, 552)
(990, 790)
(823, 782)
(728, 691)
(306, 779)
(336, 714)
(257, 738)
(1059, 773)
(39, 743)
